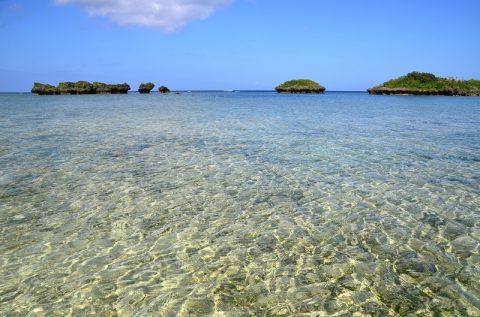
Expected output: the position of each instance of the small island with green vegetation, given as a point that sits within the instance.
(416, 83)
(300, 86)
(145, 88)
(80, 88)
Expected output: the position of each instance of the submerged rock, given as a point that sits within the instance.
(433, 220)
(374, 309)
(403, 301)
(464, 246)
(453, 230)
(145, 88)
(414, 267)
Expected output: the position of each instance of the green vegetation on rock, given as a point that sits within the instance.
(145, 88)
(416, 83)
(163, 89)
(79, 88)
(102, 88)
(44, 89)
(300, 86)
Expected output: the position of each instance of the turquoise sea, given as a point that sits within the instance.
(239, 204)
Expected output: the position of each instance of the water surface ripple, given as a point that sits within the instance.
(239, 204)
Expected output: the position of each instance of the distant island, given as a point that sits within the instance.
(145, 88)
(79, 88)
(416, 83)
(303, 86)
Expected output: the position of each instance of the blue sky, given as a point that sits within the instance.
(235, 44)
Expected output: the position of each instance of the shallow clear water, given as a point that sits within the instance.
(239, 204)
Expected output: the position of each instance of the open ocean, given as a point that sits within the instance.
(239, 204)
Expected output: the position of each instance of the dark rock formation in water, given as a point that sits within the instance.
(80, 88)
(426, 84)
(102, 88)
(163, 89)
(145, 88)
(44, 89)
(302, 86)
(419, 92)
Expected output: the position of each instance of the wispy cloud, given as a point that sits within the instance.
(163, 15)
(15, 7)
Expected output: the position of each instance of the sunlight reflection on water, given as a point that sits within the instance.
(239, 204)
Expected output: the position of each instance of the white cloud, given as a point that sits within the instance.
(164, 15)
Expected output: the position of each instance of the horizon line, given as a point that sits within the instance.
(195, 90)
